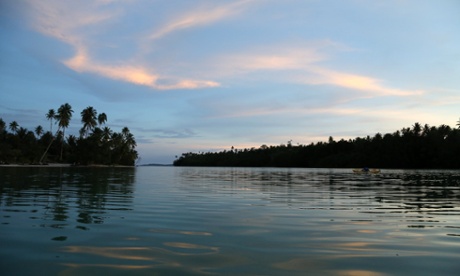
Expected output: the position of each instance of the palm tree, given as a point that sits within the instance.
(122, 147)
(128, 138)
(102, 118)
(125, 131)
(50, 116)
(458, 123)
(2, 125)
(39, 131)
(106, 133)
(63, 116)
(130, 142)
(417, 129)
(88, 118)
(21, 132)
(426, 130)
(128, 147)
(14, 126)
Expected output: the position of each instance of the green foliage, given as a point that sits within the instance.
(415, 147)
(95, 146)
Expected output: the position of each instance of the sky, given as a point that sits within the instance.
(206, 75)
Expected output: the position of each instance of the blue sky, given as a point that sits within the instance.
(206, 75)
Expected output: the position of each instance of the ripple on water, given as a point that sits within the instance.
(253, 221)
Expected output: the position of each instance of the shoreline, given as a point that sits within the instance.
(61, 165)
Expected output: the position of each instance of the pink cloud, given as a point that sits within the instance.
(372, 86)
(135, 74)
(68, 22)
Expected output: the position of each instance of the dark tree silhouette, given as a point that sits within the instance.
(14, 126)
(51, 115)
(413, 147)
(89, 120)
(39, 131)
(97, 146)
(64, 115)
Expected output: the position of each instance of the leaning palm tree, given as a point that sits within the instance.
(14, 126)
(88, 118)
(458, 123)
(63, 116)
(50, 116)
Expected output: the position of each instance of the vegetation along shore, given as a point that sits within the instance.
(96, 144)
(417, 146)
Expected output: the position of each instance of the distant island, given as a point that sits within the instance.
(420, 147)
(95, 145)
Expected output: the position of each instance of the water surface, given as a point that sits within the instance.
(228, 221)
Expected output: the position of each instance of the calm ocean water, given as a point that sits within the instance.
(228, 221)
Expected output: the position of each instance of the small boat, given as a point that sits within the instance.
(366, 170)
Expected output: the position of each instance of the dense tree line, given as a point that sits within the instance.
(413, 147)
(96, 143)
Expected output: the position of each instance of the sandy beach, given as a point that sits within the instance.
(61, 165)
(36, 165)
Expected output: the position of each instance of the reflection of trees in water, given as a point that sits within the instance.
(432, 190)
(409, 189)
(91, 192)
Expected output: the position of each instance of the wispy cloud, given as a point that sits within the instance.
(64, 20)
(305, 65)
(135, 74)
(77, 24)
(81, 24)
(286, 110)
(199, 17)
(287, 59)
(369, 85)
(167, 132)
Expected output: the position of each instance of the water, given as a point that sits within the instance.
(228, 221)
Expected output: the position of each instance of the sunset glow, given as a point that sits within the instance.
(208, 75)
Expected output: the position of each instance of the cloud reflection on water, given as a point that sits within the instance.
(230, 220)
(125, 253)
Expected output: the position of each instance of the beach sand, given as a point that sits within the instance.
(61, 165)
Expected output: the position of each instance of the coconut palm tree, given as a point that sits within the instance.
(63, 116)
(128, 138)
(21, 132)
(106, 134)
(417, 129)
(39, 131)
(130, 141)
(2, 125)
(127, 148)
(102, 118)
(50, 116)
(88, 118)
(125, 132)
(426, 130)
(14, 126)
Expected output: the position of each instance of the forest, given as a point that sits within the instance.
(96, 143)
(415, 147)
